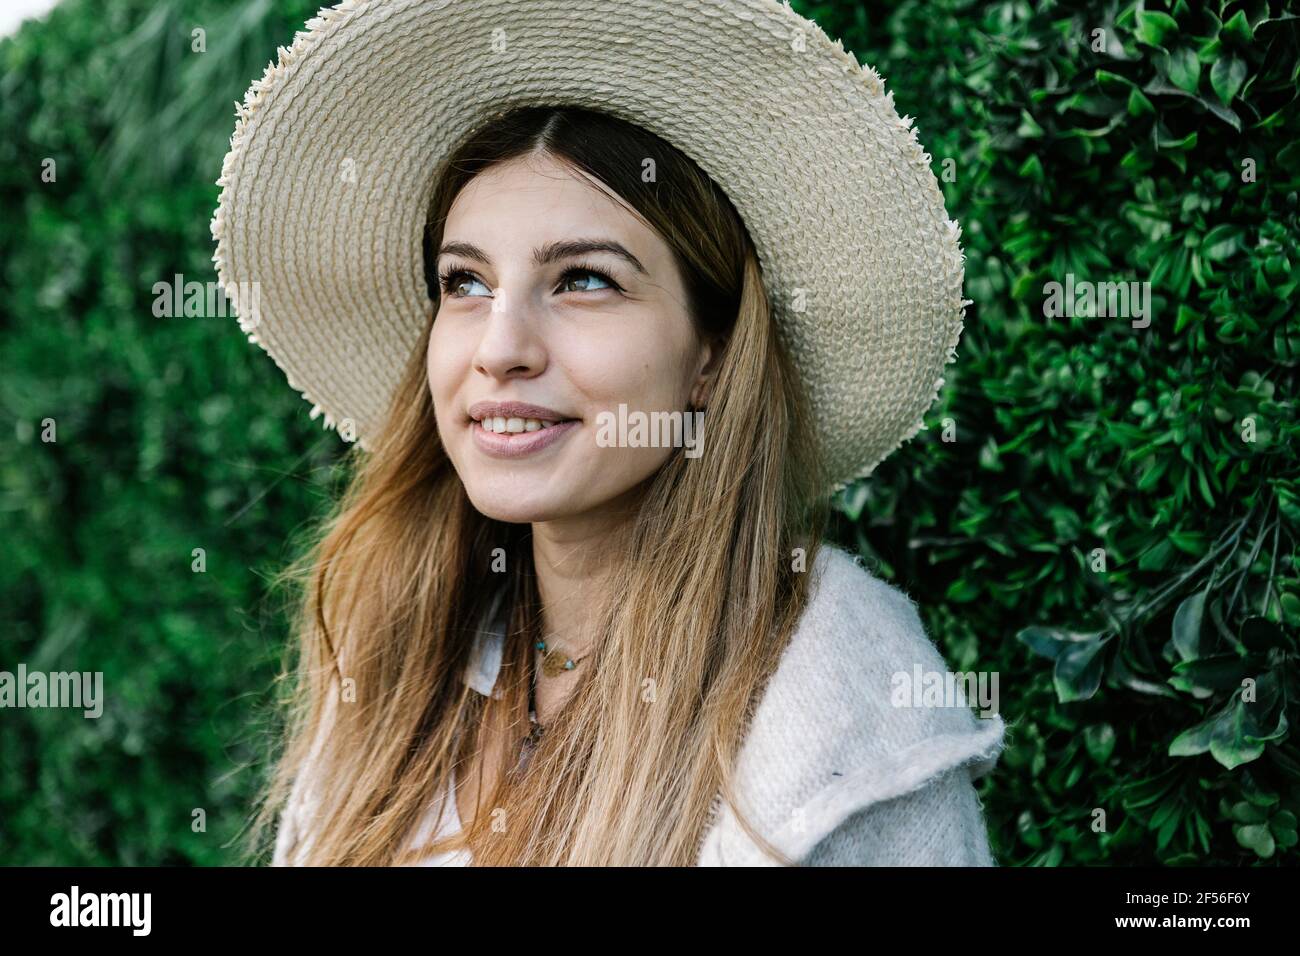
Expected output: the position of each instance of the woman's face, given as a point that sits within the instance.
(522, 322)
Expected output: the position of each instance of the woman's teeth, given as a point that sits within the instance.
(503, 425)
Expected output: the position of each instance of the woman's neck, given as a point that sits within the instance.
(574, 560)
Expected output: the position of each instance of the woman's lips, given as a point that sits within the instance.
(519, 444)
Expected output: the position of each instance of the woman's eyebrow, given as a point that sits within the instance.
(550, 252)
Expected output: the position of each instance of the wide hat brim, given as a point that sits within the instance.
(336, 149)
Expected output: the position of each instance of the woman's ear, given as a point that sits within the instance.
(710, 359)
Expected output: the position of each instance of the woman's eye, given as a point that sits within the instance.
(452, 282)
(455, 282)
(579, 275)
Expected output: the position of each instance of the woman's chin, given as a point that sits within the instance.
(512, 507)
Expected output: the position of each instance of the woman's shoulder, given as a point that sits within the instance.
(861, 640)
(862, 709)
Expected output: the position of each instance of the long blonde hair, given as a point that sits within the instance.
(631, 771)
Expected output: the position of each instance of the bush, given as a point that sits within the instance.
(1113, 529)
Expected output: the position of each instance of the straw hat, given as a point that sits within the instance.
(332, 164)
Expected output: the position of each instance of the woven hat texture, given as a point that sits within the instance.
(336, 149)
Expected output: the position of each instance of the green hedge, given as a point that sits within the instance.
(1101, 533)
(173, 434)
(1097, 530)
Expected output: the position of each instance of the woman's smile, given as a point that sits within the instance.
(515, 429)
(509, 438)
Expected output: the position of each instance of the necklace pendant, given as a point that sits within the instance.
(554, 664)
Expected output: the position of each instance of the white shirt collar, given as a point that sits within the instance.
(485, 657)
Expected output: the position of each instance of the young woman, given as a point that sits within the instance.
(574, 608)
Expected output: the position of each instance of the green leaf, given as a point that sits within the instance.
(852, 499)
(1028, 128)
(1156, 557)
(1100, 741)
(1187, 626)
(1226, 77)
(1165, 141)
(1256, 837)
(1244, 811)
(1032, 168)
(1147, 791)
(1125, 677)
(1051, 642)
(963, 589)
(1203, 484)
(1221, 242)
(1290, 606)
(1153, 26)
(1078, 670)
(1193, 740)
(1231, 736)
(1113, 82)
(1260, 798)
(1238, 28)
(1168, 828)
(1138, 103)
(1184, 69)
(1028, 830)
(1185, 317)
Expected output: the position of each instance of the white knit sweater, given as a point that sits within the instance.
(831, 772)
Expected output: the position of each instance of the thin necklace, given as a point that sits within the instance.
(553, 663)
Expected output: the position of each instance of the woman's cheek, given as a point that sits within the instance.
(632, 364)
(447, 362)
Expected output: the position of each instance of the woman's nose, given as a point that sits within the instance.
(510, 345)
